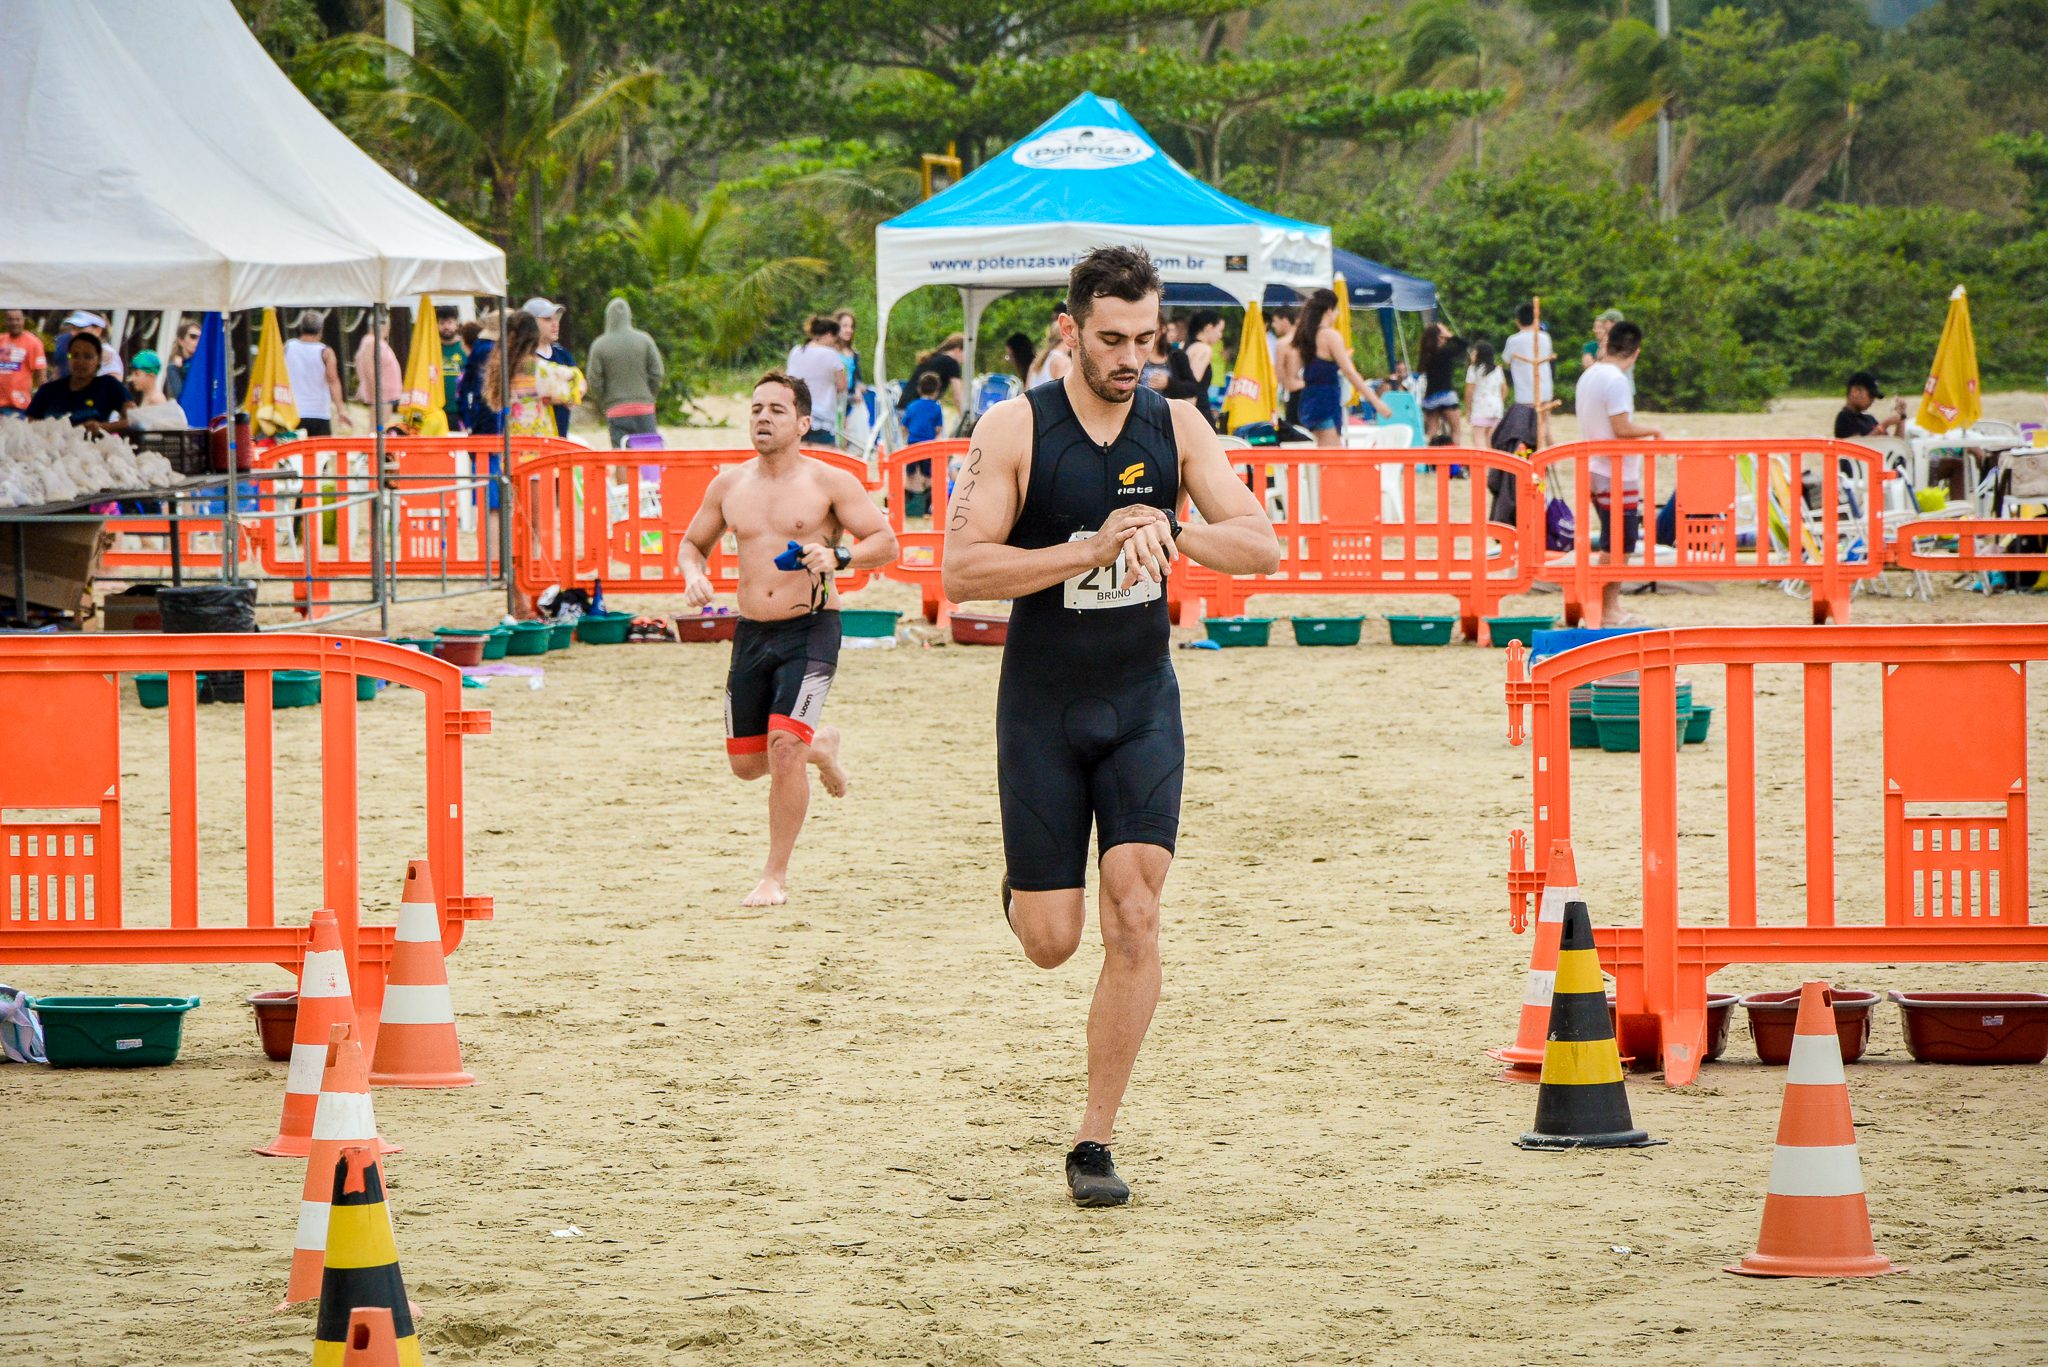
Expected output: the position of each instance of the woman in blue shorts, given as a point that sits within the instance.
(1324, 360)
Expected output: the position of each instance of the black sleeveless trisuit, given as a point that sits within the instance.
(1088, 727)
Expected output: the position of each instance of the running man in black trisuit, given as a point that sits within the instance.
(1067, 503)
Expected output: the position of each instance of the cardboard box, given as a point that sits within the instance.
(131, 612)
(62, 559)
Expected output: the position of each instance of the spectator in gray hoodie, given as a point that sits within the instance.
(625, 374)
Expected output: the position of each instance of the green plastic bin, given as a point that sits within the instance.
(604, 628)
(1327, 631)
(1238, 631)
(423, 644)
(1620, 735)
(867, 622)
(366, 687)
(112, 1032)
(1696, 728)
(530, 638)
(153, 690)
(1412, 630)
(295, 688)
(560, 635)
(1501, 630)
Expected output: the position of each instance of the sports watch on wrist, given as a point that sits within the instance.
(1173, 526)
(844, 555)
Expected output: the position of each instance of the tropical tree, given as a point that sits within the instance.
(686, 251)
(496, 97)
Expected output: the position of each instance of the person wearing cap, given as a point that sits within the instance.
(90, 323)
(90, 399)
(145, 379)
(548, 315)
(1856, 420)
(23, 364)
(1594, 351)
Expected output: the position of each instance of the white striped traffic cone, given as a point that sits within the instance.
(416, 1044)
(343, 1120)
(1816, 1222)
(1561, 884)
(324, 1002)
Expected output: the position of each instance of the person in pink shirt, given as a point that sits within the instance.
(23, 363)
(389, 379)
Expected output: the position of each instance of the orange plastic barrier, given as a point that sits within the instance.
(1344, 529)
(61, 819)
(1710, 527)
(1955, 882)
(579, 515)
(920, 551)
(1906, 556)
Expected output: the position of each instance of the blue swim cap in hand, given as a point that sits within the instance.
(791, 559)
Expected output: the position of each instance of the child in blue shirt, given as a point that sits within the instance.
(923, 419)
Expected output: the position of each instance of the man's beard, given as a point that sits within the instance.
(1098, 381)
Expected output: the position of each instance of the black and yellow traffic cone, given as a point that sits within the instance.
(1581, 1103)
(362, 1263)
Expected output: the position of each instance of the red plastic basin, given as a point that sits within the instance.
(277, 1015)
(1974, 1027)
(980, 629)
(461, 650)
(1720, 1011)
(1774, 1016)
(709, 626)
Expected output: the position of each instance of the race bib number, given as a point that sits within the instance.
(1102, 586)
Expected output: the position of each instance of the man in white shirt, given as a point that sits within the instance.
(822, 366)
(1527, 356)
(1606, 407)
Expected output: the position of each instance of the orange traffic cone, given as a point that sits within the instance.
(371, 1340)
(1816, 1223)
(1561, 884)
(324, 1002)
(362, 1272)
(344, 1120)
(416, 1045)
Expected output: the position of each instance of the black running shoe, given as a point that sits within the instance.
(1091, 1176)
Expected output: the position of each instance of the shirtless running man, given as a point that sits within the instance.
(1067, 503)
(786, 647)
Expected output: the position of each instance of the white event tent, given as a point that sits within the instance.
(157, 158)
(1090, 176)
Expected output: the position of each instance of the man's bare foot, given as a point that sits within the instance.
(825, 754)
(769, 892)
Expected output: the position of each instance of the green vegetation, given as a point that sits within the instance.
(1838, 165)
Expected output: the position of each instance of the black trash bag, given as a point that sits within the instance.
(207, 607)
(210, 607)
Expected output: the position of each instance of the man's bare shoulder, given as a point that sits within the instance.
(1004, 432)
(831, 476)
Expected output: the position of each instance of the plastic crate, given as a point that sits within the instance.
(112, 1032)
(1238, 631)
(601, 629)
(706, 626)
(295, 688)
(189, 453)
(1412, 630)
(872, 622)
(1501, 630)
(1327, 631)
(1974, 1027)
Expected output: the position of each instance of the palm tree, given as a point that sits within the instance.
(494, 97)
(681, 246)
(1444, 46)
(1820, 107)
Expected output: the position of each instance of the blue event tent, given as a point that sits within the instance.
(1370, 285)
(1089, 176)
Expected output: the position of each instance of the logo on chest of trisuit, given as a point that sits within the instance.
(1127, 480)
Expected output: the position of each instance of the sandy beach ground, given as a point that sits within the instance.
(831, 1132)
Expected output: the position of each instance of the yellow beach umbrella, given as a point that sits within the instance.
(270, 404)
(422, 401)
(1950, 401)
(1341, 320)
(1253, 386)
